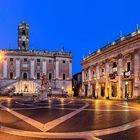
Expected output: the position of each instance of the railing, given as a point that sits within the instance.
(111, 44)
(37, 52)
(127, 74)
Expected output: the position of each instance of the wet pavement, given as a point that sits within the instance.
(60, 118)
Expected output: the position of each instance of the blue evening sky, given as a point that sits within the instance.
(78, 25)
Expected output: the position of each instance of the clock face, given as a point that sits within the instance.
(23, 38)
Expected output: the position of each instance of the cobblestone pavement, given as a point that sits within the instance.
(59, 118)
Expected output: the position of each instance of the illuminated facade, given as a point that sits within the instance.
(23, 68)
(114, 70)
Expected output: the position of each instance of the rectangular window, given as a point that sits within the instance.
(25, 59)
(64, 76)
(64, 61)
(114, 65)
(11, 59)
(128, 66)
(50, 61)
(50, 76)
(38, 76)
(38, 60)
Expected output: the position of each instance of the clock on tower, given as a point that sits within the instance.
(23, 36)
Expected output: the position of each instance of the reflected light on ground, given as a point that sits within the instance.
(9, 101)
(62, 101)
(49, 101)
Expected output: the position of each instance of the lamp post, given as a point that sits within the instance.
(126, 94)
(108, 92)
(97, 92)
(50, 91)
(62, 90)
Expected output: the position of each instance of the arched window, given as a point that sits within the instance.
(25, 76)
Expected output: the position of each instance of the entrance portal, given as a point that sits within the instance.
(129, 88)
(102, 90)
(93, 90)
(113, 89)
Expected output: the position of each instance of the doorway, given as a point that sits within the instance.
(25, 76)
(93, 91)
(86, 90)
(102, 90)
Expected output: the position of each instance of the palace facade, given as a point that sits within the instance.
(114, 70)
(23, 68)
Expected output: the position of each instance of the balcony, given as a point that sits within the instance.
(126, 74)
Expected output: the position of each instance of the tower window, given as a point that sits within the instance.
(23, 32)
(50, 76)
(23, 44)
(64, 76)
(128, 66)
(11, 75)
(38, 76)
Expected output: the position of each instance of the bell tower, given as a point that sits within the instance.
(23, 36)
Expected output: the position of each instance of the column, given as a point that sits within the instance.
(83, 89)
(89, 85)
(44, 67)
(120, 70)
(107, 85)
(97, 71)
(17, 68)
(32, 69)
(89, 89)
(57, 68)
(70, 69)
(5, 68)
(136, 72)
(83, 86)
(89, 74)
